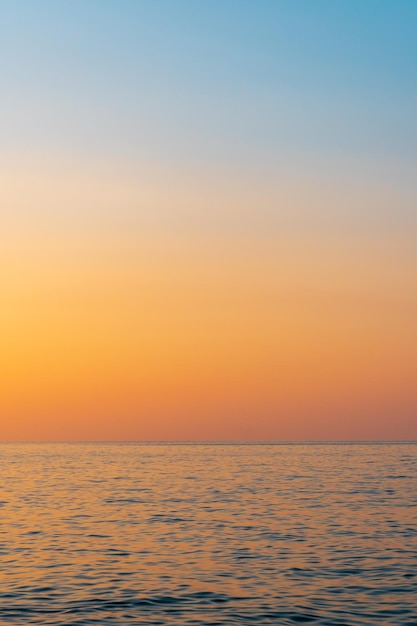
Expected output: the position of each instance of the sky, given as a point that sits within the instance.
(208, 220)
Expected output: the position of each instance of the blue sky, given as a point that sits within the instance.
(216, 82)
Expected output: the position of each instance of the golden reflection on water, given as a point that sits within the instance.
(208, 534)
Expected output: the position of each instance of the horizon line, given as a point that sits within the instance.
(214, 442)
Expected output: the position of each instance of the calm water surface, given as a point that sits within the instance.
(208, 534)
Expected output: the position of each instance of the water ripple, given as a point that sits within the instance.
(185, 535)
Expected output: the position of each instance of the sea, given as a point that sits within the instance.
(208, 534)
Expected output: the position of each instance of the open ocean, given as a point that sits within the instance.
(199, 534)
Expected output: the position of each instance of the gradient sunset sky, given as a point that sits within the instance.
(208, 220)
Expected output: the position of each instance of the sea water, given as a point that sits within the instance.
(208, 534)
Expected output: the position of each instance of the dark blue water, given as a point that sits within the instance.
(208, 534)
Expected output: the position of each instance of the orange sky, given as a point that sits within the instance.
(142, 311)
(208, 221)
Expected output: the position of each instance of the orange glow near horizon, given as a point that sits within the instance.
(114, 330)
